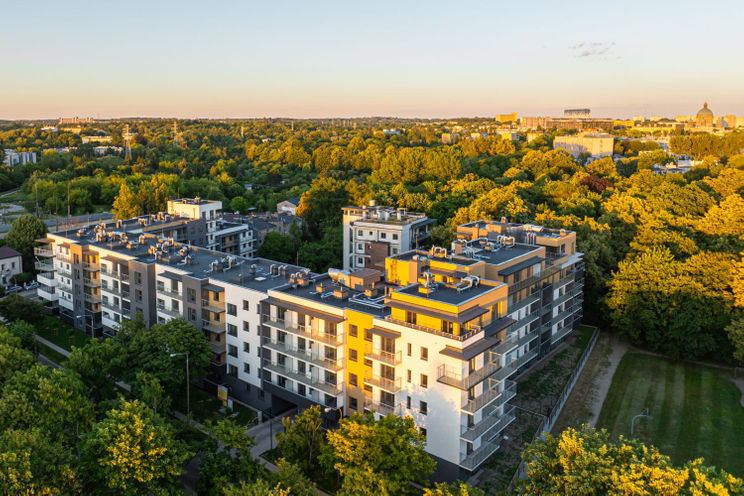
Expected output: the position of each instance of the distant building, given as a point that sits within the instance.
(372, 233)
(75, 120)
(450, 138)
(582, 113)
(512, 117)
(579, 124)
(96, 139)
(704, 117)
(10, 264)
(533, 136)
(732, 121)
(507, 134)
(13, 158)
(596, 144)
(106, 150)
(288, 206)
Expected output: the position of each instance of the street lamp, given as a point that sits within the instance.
(632, 422)
(188, 399)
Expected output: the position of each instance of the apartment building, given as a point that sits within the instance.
(440, 335)
(372, 233)
(440, 338)
(222, 234)
(595, 144)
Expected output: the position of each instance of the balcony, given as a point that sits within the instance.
(561, 333)
(90, 298)
(64, 258)
(384, 383)
(533, 298)
(454, 377)
(44, 265)
(438, 332)
(304, 331)
(526, 320)
(217, 348)
(169, 311)
(525, 359)
(475, 459)
(493, 422)
(213, 306)
(214, 328)
(494, 397)
(43, 251)
(383, 408)
(64, 273)
(122, 276)
(87, 281)
(110, 306)
(303, 354)
(91, 266)
(374, 353)
(170, 292)
(284, 370)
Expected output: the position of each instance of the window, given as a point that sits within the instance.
(232, 370)
(138, 277)
(353, 355)
(368, 336)
(353, 380)
(191, 294)
(423, 432)
(246, 347)
(138, 294)
(360, 233)
(301, 389)
(410, 349)
(409, 376)
(246, 305)
(232, 350)
(395, 237)
(353, 331)
(410, 317)
(424, 354)
(353, 404)
(232, 330)
(423, 407)
(383, 235)
(367, 362)
(192, 314)
(232, 309)
(247, 368)
(408, 402)
(448, 327)
(246, 326)
(424, 381)
(368, 388)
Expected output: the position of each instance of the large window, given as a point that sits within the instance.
(232, 309)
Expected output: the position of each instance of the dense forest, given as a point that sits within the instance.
(663, 252)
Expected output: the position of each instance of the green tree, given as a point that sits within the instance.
(23, 331)
(31, 464)
(149, 389)
(291, 477)
(126, 204)
(391, 449)
(52, 400)
(302, 440)
(278, 247)
(13, 358)
(258, 488)
(227, 460)
(735, 331)
(99, 364)
(587, 462)
(146, 351)
(23, 233)
(15, 307)
(453, 489)
(131, 451)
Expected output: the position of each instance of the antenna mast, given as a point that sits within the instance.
(127, 145)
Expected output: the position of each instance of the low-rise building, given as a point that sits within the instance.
(13, 158)
(595, 144)
(11, 264)
(288, 206)
(372, 233)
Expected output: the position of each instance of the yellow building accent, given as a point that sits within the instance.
(362, 322)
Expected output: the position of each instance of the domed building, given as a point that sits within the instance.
(704, 117)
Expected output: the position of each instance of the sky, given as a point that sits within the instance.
(406, 58)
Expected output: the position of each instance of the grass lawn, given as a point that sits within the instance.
(61, 334)
(695, 410)
(52, 355)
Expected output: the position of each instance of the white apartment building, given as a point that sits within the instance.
(13, 158)
(597, 145)
(372, 233)
(11, 264)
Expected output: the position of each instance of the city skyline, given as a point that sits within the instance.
(440, 60)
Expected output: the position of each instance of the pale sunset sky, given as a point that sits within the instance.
(342, 59)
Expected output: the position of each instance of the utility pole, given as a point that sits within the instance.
(127, 145)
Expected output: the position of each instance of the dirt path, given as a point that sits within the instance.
(585, 402)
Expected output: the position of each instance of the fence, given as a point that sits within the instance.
(549, 420)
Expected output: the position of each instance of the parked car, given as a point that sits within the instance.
(31, 285)
(13, 289)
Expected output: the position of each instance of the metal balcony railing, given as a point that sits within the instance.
(303, 354)
(169, 311)
(384, 383)
(375, 353)
(474, 459)
(44, 265)
(291, 373)
(491, 396)
(490, 424)
(304, 331)
(383, 408)
(43, 251)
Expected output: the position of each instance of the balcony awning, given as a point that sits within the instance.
(521, 265)
(461, 318)
(387, 333)
(470, 351)
(170, 275)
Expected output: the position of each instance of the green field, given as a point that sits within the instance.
(696, 410)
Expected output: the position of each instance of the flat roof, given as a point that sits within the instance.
(521, 265)
(504, 254)
(449, 295)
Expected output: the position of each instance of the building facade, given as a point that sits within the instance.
(595, 144)
(11, 264)
(13, 158)
(440, 335)
(372, 233)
